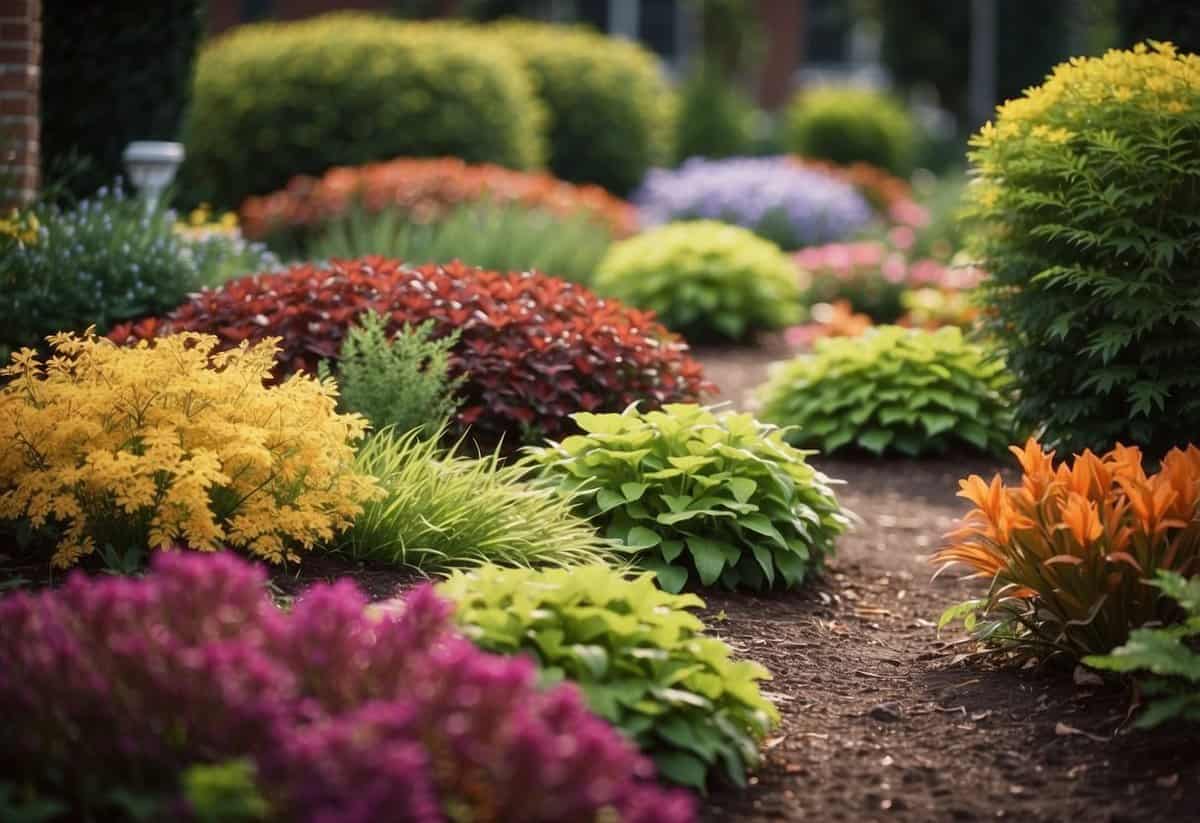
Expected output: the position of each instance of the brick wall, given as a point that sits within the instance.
(20, 58)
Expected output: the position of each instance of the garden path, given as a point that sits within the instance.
(885, 720)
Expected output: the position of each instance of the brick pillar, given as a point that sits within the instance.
(20, 60)
(783, 24)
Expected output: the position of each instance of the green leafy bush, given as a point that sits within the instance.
(718, 496)
(501, 238)
(275, 100)
(847, 125)
(611, 108)
(440, 510)
(1086, 211)
(400, 381)
(105, 260)
(1167, 657)
(704, 279)
(111, 73)
(715, 119)
(639, 655)
(893, 389)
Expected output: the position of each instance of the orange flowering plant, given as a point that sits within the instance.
(1070, 550)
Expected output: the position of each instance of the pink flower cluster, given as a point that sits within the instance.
(347, 715)
(850, 260)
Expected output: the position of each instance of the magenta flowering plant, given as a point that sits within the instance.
(873, 276)
(345, 713)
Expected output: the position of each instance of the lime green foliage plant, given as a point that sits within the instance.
(1086, 211)
(172, 443)
(1166, 658)
(717, 497)
(611, 109)
(441, 509)
(639, 655)
(847, 125)
(274, 100)
(400, 381)
(704, 279)
(496, 237)
(893, 389)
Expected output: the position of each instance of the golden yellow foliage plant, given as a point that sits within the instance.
(172, 443)
(1071, 550)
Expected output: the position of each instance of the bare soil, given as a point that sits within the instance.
(885, 720)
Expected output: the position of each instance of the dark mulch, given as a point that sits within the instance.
(882, 718)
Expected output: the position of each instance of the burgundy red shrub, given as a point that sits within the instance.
(534, 349)
(345, 713)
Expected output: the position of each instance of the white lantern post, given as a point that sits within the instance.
(151, 165)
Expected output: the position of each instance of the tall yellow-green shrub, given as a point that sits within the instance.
(173, 443)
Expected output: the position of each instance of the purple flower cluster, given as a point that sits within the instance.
(773, 196)
(347, 715)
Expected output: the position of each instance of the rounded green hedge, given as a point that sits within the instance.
(846, 125)
(274, 100)
(704, 279)
(611, 108)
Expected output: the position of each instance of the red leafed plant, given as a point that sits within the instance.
(534, 349)
(426, 189)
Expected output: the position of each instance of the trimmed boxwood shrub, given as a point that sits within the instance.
(114, 687)
(611, 110)
(638, 654)
(1086, 210)
(847, 125)
(704, 279)
(720, 497)
(893, 389)
(533, 348)
(111, 73)
(274, 100)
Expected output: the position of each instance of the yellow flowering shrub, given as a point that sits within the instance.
(19, 229)
(171, 442)
(1086, 211)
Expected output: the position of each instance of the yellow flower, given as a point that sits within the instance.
(173, 442)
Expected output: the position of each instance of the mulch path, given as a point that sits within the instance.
(883, 719)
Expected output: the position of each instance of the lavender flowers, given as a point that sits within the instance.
(345, 715)
(773, 196)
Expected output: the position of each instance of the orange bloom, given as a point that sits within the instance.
(1081, 520)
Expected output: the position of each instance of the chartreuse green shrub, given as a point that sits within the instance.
(1086, 211)
(704, 279)
(440, 509)
(849, 125)
(401, 380)
(274, 100)
(893, 389)
(639, 655)
(1166, 659)
(716, 497)
(611, 109)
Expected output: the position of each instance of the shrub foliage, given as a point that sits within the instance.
(638, 654)
(846, 125)
(1070, 551)
(1165, 658)
(719, 497)
(533, 348)
(441, 510)
(273, 100)
(704, 279)
(345, 713)
(1086, 213)
(892, 389)
(611, 109)
(172, 442)
(427, 190)
(401, 381)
